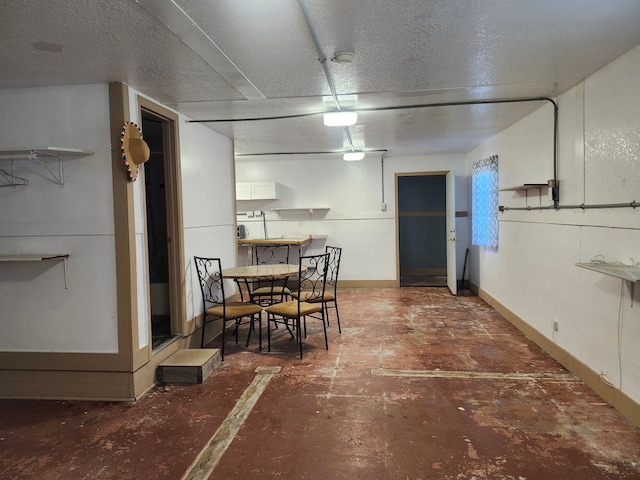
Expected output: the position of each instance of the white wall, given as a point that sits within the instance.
(208, 204)
(38, 313)
(354, 192)
(533, 272)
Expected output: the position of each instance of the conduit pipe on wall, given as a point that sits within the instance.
(555, 190)
(383, 206)
(583, 206)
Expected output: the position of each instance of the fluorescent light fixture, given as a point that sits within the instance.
(340, 118)
(353, 156)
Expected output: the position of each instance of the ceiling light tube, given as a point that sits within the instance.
(340, 118)
(353, 156)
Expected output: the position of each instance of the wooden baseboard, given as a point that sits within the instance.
(613, 396)
(367, 283)
(66, 385)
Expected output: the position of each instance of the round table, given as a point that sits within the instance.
(256, 273)
(261, 272)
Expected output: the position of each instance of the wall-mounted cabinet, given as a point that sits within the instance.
(257, 191)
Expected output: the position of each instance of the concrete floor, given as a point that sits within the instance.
(419, 385)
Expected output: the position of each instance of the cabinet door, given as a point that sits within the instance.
(264, 191)
(243, 191)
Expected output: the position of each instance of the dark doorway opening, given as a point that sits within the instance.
(422, 232)
(157, 237)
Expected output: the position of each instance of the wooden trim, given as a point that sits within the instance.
(124, 223)
(175, 224)
(54, 385)
(111, 362)
(613, 396)
(367, 283)
(421, 174)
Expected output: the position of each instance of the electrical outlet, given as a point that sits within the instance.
(555, 325)
(383, 207)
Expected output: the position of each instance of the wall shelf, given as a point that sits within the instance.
(525, 187)
(40, 154)
(40, 257)
(619, 270)
(628, 273)
(309, 210)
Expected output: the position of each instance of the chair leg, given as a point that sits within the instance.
(204, 324)
(299, 334)
(269, 332)
(260, 330)
(224, 327)
(324, 326)
(250, 330)
(335, 303)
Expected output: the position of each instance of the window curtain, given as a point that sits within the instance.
(484, 192)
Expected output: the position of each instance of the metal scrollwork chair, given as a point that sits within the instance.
(330, 297)
(266, 292)
(312, 277)
(216, 306)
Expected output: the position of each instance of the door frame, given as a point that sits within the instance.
(175, 228)
(397, 212)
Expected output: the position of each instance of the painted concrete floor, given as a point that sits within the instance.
(419, 385)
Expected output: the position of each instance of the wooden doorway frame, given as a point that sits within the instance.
(175, 225)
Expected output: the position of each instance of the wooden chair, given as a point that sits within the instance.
(216, 306)
(312, 277)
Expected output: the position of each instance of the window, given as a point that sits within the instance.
(484, 203)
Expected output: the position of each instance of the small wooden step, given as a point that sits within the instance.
(189, 366)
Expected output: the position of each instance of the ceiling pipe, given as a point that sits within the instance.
(321, 57)
(554, 189)
(323, 62)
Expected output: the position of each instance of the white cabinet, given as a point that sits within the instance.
(257, 191)
(243, 191)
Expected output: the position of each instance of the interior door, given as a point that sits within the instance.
(452, 281)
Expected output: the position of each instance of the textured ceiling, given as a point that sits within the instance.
(240, 59)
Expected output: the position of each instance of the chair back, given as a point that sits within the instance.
(333, 266)
(312, 276)
(210, 278)
(273, 254)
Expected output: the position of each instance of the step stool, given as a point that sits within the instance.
(189, 366)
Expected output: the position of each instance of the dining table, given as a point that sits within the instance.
(263, 272)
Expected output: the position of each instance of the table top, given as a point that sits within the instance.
(257, 272)
(251, 242)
